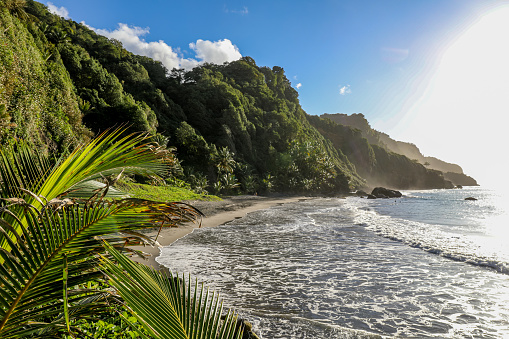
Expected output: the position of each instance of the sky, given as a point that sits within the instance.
(430, 72)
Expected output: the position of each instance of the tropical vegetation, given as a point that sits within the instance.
(71, 205)
(61, 83)
(65, 232)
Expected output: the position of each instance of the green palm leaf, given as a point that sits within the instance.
(39, 229)
(50, 245)
(31, 275)
(21, 168)
(168, 306)
(105, 156)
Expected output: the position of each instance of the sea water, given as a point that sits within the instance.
(428, 265)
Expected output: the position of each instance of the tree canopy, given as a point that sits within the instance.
(62, 82)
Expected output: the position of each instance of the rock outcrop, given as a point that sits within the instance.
(382, 192)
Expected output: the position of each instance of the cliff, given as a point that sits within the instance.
(379, 166)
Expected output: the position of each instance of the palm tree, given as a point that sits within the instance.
(61, 229)
(229, 182)
(224, 160)
(182, 311)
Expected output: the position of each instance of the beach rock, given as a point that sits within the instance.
(387, 193)
(361, 193)
(471, 198)
(371, 196)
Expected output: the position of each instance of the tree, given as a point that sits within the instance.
(224, 160)
(228, 182)
(61, 229)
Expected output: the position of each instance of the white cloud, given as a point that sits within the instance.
(299, 85)
(216, 52)
(242, 11)
(62, 11)
(87, 26)
(345, 90)
(130, 36)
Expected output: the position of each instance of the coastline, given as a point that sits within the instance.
(215, 213)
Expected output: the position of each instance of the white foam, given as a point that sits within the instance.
(477, 250)
(311, 263)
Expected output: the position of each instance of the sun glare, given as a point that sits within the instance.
(462, 115)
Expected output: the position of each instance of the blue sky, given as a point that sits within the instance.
(376, 57)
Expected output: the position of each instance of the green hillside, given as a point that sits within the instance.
(378, 165)
(236, 127)
(38, 101)
(452, 172)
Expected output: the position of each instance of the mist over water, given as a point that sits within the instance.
(353, 268)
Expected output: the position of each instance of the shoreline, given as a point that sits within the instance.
(216, 213)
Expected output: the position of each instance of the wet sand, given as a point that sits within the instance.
(216, 213)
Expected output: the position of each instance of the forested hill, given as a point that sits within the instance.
(382, 139)
(236, 126)
(451, 172)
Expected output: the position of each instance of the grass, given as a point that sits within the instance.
(164, 193)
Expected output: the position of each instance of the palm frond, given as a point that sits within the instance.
(107, 155)
(50, 242)
(31, 273)
(21, 168)
(168, 306)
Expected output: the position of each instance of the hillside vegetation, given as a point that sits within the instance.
(38, 101)
(452, 172)
(236, 127)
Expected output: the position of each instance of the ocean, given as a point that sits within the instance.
(427, 265)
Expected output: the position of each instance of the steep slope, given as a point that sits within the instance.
(235, 123)
(255, 112)
(376, 164)
(409, 150)
(37, 98)
(382, 139)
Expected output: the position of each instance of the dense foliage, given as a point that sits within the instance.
(37, 98)
(61, 82)
(64, 233)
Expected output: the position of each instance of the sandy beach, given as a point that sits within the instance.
(216, 213)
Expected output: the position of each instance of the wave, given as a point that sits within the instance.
(284, 325)
(473, 250)
(309, 270)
